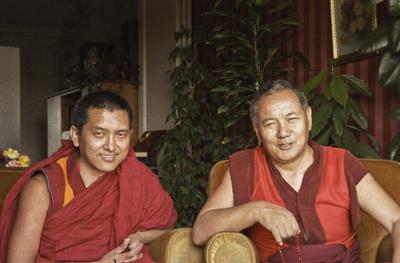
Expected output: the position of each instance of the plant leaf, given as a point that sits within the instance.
(221, 89)
(389, 70)
(320, 118)
(339, 90)
(366, 151)
(375, 40)
(323, 139)
(222, 109)
(394, 8)
(349, 141)
(395, 114)
(394, 146)
(358, 114)
(232, 121)
(279, 6)
(226, 140)
(217, 3)
(358, 84)
(394, 36)
(328, 92)
(299, 57)
(314, 82)
(338, 120)
(371, 138)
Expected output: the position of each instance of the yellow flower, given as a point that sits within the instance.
(24, 160)
(11, 153)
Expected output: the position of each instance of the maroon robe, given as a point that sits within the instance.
(120, 203)
(243, 166)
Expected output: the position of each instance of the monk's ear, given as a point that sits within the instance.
(255, 129)
(309, 118)
(73, 131)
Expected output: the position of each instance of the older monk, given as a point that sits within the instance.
(297, 200)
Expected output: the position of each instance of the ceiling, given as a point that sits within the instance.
(49, 13)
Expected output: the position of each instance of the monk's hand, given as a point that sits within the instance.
(280, 221)
(122, 254)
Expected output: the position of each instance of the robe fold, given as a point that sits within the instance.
(97, 219)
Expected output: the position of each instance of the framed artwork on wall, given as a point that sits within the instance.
(351, 22)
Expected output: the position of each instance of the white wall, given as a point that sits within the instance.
(156, 32)
(40, 68)
(10, 86)
(158, 21)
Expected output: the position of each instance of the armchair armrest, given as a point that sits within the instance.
(230, 247)
(176, 246)
(385, 250)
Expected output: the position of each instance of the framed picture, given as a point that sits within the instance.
(352, 21)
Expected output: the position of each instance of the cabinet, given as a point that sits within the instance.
(59, 107)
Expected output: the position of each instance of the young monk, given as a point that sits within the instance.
(92, 200)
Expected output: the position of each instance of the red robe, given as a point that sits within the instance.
(97, 219)
(325, 206)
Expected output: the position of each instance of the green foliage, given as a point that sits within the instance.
(387, 38)
(337, 116)
(195, 143)
(248, 43)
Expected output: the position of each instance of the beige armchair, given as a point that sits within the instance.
(176, 246)
(375, 241)
(224, 247)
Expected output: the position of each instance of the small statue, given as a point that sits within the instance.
(91, 64)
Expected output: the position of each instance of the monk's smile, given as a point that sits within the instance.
(104, 141)
(282, 126)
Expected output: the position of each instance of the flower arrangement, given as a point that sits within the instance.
(13, 158)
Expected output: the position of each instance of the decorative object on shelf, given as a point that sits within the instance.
(92, 57)
(12, 158)
(104, 62)
(352, 21)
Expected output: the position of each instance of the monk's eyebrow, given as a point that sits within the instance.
(267, 120)
(292, 114)
(124, 130)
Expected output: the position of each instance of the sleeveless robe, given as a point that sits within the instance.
(325, 207)
(90, 222)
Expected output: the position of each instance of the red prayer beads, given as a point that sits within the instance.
(298, 251)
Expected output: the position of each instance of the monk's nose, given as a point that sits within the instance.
(283, 131)
(110, 143)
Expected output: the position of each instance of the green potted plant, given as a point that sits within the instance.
(248, 40)
(337, 115)
(386, 39)
(196, 141)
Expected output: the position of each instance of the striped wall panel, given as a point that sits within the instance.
(313, 38)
